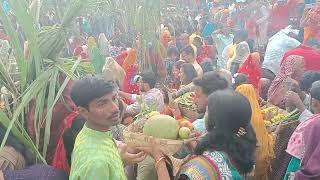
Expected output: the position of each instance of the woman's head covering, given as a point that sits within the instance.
(310, 168)
(130, 59)
(251, 67)
(265, 152)
(103, 45)
(278, 87)
(92, 42)
(113, 71)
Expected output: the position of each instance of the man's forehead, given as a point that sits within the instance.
(108, 96)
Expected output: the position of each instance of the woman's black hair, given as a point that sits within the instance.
(239, 79)
(228, 111)
(70, 135)
(189, 71)
(18, 146)
(150, 78)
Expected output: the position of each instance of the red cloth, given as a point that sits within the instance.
(206, 52)
(252, 28)
(128, 86)
(121, 57)
(279, 16)
(60, 112)
(60, 156)
(310, 55)
(79, 51)
(3, 36)
(251, 68)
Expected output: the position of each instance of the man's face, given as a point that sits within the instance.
(201, 100)
(142, 86)
(182, 76)
(172, 56)
(104, 111)
(315, 106)
(184, 39)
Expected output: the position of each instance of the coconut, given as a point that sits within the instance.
(162, 126)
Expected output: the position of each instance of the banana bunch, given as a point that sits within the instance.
(51, 41)
(272, 110)
(277, 118)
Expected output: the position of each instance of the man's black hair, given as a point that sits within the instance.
(211, 82)
(173, 50)
(315, 90)
(189, 71)
(188, 50)
(149, 78)
(89, 88)
(307, 79)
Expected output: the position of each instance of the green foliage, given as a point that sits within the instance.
(39, 73)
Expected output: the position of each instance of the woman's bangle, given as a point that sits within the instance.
(158, 161)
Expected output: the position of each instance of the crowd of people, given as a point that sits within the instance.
(235, 56)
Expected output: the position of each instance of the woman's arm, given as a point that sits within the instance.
(126, 95)
(162, 170)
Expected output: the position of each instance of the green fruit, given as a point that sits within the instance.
(184, 133)
(161, 126)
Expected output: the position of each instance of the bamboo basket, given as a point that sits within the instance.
(133, 137)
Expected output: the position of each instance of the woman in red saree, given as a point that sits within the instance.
(251, 68)
(310, 56)
(60, 156)
(61, 110)
(129, 85)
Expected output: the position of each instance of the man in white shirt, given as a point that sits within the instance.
(149, 95)
(294, 99)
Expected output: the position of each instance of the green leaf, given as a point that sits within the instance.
(21, 136)
(20, 9)
(31, 92)
(50, 103)
(15, 44)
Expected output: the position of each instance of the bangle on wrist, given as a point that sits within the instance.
(156, 165)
